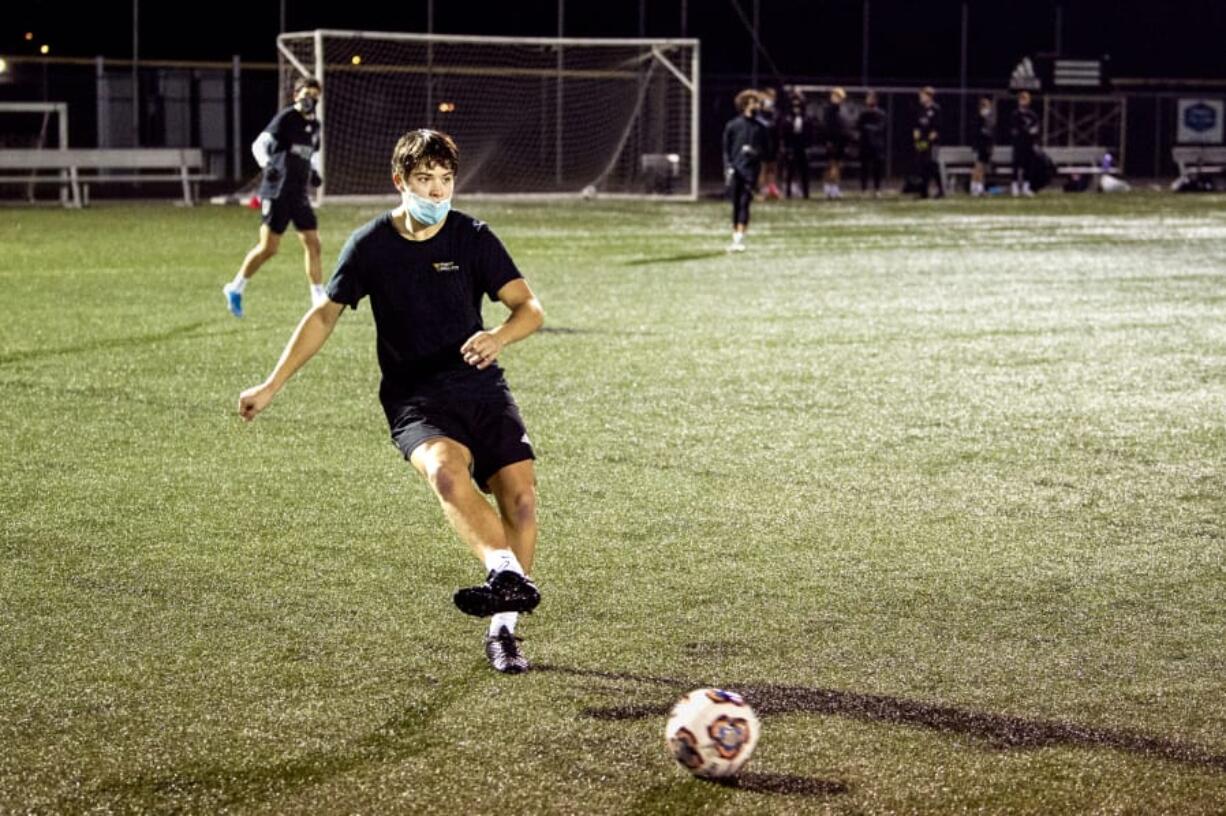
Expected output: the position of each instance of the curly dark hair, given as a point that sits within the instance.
(431, 147)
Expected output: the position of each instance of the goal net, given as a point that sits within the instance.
(531, 116)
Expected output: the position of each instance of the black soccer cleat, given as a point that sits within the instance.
(503, 652)
(503, 591)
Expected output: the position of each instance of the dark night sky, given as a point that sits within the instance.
(911, 40)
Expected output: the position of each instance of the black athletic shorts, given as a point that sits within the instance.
(835, 149)
(279, 212)
(488, 424)
(983, 152)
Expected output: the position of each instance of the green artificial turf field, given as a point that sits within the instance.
(939, 487)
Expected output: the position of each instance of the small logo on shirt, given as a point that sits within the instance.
(526, 440)
(446, 266)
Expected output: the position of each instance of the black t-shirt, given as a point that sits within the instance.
(985, 133)
(289, 168)
(871, 125)
(426, 298)
(928, 123)
(832, 123)
(1024, 128)
(744, 146)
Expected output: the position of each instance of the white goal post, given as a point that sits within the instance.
(28, 125)
(532, 116)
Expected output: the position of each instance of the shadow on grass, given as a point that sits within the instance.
(783, 784)
(684, 256)
(999, 731)
(562, 330)
(101, 345)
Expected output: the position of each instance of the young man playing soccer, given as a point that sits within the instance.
(287, 152)
(744, 145)
(425, 268)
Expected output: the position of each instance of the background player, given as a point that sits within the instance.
(927, 137)
(985, 142)
(834, 131)
(744, 144)
(425, 268)
(1024, 130)
(870, 125)
(287, 152)
(795, 133)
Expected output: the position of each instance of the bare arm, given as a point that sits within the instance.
(526, 316)
(312, 332)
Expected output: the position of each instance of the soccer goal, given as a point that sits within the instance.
(532, 116)
(29, 125)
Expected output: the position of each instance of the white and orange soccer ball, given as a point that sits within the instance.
(712, 732)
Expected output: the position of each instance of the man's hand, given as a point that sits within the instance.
(254, 400)
(481, 349)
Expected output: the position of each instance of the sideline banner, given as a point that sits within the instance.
(1200, 121)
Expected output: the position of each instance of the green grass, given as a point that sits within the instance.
(940, 487)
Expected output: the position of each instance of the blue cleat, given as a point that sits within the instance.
(234, 300)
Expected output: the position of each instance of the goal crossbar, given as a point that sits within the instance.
(543, 115)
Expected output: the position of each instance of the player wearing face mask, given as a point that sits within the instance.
(425, 270)
(287, 152)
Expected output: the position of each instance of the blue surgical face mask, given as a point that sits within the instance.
(424, 210)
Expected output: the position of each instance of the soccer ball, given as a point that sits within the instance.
(589, 192)
(712, 732)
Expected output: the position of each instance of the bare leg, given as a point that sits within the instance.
(312, 249)
(444, 462)
(514, 488)
(267, 247)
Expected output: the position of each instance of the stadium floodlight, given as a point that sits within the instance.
(532, 116)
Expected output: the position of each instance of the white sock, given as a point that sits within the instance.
(502, 619)
(317, 292)
(737, 237)
(499, 560)
(238, 284)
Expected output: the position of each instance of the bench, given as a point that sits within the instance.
(958, 160)
(75, 168)
(1199, 160)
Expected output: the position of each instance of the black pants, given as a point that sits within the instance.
(871, 167)
(741, 192)
(797, 167)
(928, 171)
(1023, 160)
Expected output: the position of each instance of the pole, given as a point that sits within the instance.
(966, 24)
(1059, 30)
(557, 112)
(282, 29)
(236, 127)
(684, 17)
(642, 19)
(864, 48)
(135, 73)
(756, 21)
(430, 64)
